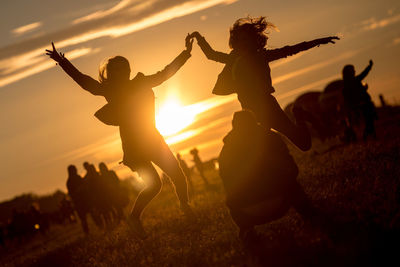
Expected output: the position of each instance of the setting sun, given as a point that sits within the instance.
(172, 117)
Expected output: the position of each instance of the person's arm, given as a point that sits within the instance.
(86, 82)
(163, 75)
(365, 72)
(290, 50)
(208, 51)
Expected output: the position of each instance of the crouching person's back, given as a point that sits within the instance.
(258, 173)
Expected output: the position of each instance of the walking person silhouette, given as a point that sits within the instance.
(199, 164)
(247, 73)
(131, 107)
(77, 191)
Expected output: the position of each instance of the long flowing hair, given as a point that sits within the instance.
(250, 33)
(113, 67)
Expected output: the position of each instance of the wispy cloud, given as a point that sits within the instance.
(26, 28)
(127, 17)
(370, 24)
(373, 23)
(103, 13)
(316, 66)
(38, 65)
(396, 41)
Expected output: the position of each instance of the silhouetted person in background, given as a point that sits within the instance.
(199, 164)
(131, 107)
(67, 211)
(259, 175)
(382, 100)
(77, 191)
(186, 170)
(101, 206)
(113, 191)
(248, 74)
(358, 101)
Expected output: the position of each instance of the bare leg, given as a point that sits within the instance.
(270, 115)
(169, 164)
(153, 186)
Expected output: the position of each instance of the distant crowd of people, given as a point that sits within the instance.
(98, 194)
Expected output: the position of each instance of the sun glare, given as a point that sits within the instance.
(172, 117)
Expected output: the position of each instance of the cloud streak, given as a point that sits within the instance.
(373, 24)
(26, 28)
(127, 17)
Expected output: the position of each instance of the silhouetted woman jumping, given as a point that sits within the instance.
(248, 74)
(131, 107)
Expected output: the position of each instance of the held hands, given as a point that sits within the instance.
(189, 43)
(53, 54)
(196, 35)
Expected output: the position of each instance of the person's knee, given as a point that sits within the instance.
(154, 185)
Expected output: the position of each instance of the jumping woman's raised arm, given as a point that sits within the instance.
(208, 51)
(290, 50)
(86, 82)
(163, 75)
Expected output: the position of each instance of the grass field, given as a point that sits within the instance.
(357, 186)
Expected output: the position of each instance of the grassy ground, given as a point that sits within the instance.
(356, 186)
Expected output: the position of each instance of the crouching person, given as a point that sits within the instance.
(259, 175)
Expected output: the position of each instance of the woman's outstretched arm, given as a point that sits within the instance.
(86, 82)
(163, 75)
(208, 51)
(290, 50)
(365, 72)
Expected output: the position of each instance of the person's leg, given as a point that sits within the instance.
(152, 187)
(368, 113)
(201, 172)
(274, 117)
(166, 160)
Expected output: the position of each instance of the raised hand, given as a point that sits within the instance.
(189, 43)
(53, 54)
(371, 62)
(195, 35)
(328, 40)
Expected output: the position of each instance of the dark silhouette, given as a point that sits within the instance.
(199, 164)
(247, 73)
(259, 175)
(2, 236)
(100, 206)
(113, 192)
(358, 102)
(186, 170)
(25, 224)
(131, 107)
(325, 110)
(383, 101)
(66, 211)
(77, 191)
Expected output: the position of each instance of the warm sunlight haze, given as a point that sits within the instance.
(172, 117)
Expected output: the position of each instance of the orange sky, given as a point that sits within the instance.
(47, 121)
